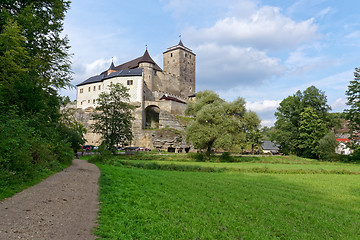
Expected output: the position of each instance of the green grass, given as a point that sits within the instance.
(12, 183)
(323, 167)
(152, 204)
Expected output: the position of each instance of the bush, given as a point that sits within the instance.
(226, 157)
(198, 157)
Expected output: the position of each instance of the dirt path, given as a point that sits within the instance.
(64, 206)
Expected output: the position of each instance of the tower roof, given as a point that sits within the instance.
(112, 66)
(181, 46)
(146, 58)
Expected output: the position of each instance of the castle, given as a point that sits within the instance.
(159, 95)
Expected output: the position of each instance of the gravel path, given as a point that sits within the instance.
(64, 206)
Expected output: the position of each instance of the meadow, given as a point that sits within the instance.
(140, 200)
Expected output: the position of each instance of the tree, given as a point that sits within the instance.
(353, 97)
(113, 116)
(216, 123)
(252, 131)
(311, 129)
(327, 146)
(288, 119)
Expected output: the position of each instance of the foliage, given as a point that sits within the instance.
(146, 204)
(353, 97)
(311, 130)
(219, 124)
(113, 116)
(294, 115)
(252, 131)
(268, 133)
(327, 147)
(34, 64)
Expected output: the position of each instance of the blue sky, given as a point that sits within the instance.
(261, 50)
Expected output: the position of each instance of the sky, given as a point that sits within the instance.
(261, 50)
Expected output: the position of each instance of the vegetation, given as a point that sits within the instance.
(353, 114)
(301, 121)
(199, 201)
(219, 124)
(36, 139)
(112, 117)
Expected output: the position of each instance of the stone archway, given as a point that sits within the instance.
(152, 113)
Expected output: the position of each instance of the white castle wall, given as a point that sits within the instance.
(87, 94)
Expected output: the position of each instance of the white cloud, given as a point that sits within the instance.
(338, 82)
(267, 123)
(229, 66)
(263, 106)
(339, 105)
(266, 28)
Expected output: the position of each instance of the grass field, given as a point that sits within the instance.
(155, 204)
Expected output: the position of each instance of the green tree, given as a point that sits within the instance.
(288, 118)
(353, 97)
(311, 129)
(113, 116)
(327, 146)
(41, 23)
(252, 131)
(216, 124)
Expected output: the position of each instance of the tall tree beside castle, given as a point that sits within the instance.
(113, 116)
(218, 124)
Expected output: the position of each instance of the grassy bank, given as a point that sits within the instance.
(150, 204)
(12, 183)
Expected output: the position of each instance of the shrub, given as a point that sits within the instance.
(226, 157)
(198, 157)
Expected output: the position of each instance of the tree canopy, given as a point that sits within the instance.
(301, 121)
(113, 116)
(353, 97)
(219, 124)
(34, 64)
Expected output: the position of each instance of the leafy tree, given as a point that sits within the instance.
(353, 97)
(288, 119)
(252, 131)
(327, 146)
(311, 129)
(113, 116)
(42, 23)
(216, 123)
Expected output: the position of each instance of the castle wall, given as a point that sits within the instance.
(87, 94)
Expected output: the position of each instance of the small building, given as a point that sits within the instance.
(269, 147)
(342, 147)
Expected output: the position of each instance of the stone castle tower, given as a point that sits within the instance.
(180, 61)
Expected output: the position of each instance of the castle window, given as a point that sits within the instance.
(88, 101)
(89, 89)
(190, 56)
(170, 54)
(185, 54)
(94, 88)
(81, 90)
(93, 101)
(130, 82)
(99, 87)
